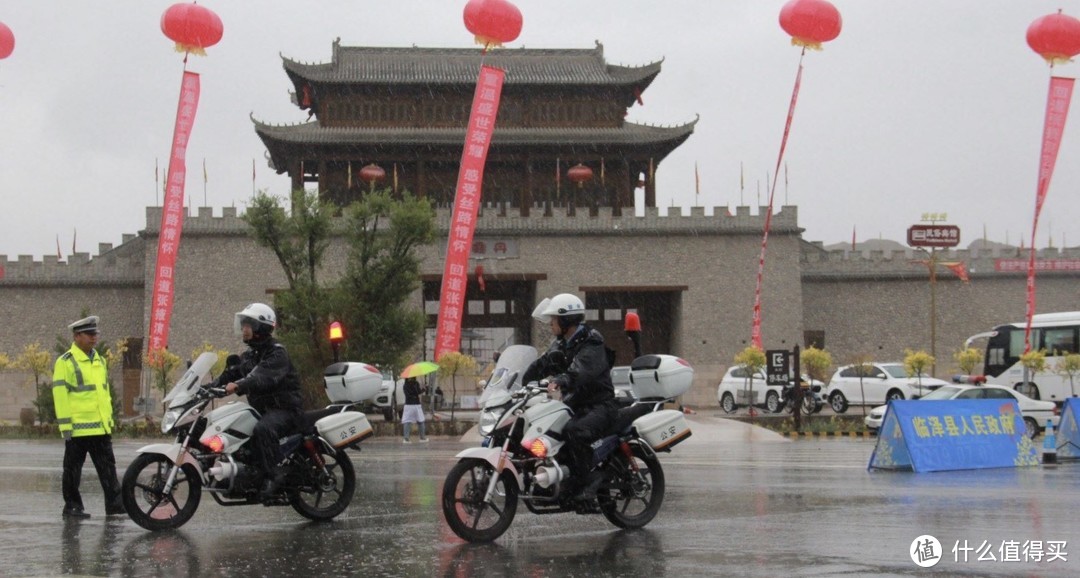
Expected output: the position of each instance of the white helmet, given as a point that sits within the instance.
(261, 314)
(561, 305)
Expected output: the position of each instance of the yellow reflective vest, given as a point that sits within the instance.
(81, 394)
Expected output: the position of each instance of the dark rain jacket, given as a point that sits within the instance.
(585, 376)
(267, 377)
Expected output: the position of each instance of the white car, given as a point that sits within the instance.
(880, 383)
(734, 390)
(1035, 412)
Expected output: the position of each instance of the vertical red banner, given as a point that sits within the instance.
(485, 107)
(172, 215)
(1057, 109)
(755, 330)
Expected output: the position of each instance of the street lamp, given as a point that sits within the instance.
(337, 335)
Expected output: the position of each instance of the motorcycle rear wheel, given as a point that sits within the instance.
(627, 500)
(466, 512)
(145, 500)
(323, 493)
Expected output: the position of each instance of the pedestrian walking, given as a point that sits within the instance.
(413, 411)
(84, 412)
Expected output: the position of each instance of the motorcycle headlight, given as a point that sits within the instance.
(169, 420)
(488, 420)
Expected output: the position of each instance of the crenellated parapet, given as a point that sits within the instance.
(819, 263)
(120, 266)
(655, 221)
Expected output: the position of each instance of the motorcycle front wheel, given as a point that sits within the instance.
(145, 498)
(326, 489)
(467, 514)
(634, 489)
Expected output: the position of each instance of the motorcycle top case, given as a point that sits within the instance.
(662, 430)
(350, 382)
(660, 376)
(342, 429)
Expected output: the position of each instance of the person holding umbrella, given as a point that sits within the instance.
(413, 412)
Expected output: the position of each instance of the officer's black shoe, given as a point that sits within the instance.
(271, 485)
(75, 513)
(115, 509)
(592, 484)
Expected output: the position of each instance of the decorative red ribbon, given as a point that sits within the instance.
(172, 215)
(1057, 109)
(755, 332)
(481, 127)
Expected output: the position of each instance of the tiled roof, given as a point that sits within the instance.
(313, 133)
(386, 65)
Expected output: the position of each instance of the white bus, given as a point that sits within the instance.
(1056, 333)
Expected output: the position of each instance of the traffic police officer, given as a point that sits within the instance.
(85, 414)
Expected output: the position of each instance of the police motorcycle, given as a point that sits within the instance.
(519, 458)
(812, 401)
(163, 485)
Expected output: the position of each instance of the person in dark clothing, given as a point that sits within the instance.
(578, 365)
(267, 377)
(413, 412)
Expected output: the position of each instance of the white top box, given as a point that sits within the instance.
(660, 376)
(351, 382)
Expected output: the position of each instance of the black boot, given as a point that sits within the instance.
(272, 483)
(586, 500)
(115, 507)
(75, 512)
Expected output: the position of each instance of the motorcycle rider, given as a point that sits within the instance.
(267, 377)
(579, 365)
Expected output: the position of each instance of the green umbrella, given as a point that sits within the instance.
(420, 368)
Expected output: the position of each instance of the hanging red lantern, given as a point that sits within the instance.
(194, 28)
(7, 41)
(810, 22)
(372, 173)
(1055, 37)
(494, 22)
(579, 174)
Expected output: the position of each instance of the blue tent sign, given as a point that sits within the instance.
(940, 435)
(1068, 434)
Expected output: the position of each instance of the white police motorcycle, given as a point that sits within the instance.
(163, 486)
(520, 460)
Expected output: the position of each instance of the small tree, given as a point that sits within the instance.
(816, 362)
(114, 358)
(752, 359)
(162, 362)
(967, 359)
(1033, 362)
(862, 363)
(38, 362)
(451, 365)
(915, 363)
(1069, 366)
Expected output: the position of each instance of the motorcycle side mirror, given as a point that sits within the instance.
(482, 383)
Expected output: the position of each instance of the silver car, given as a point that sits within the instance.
(1035, 412)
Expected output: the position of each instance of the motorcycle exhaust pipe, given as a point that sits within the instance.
(224, 470)
(547, 476)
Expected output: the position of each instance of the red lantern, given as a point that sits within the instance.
(193, 27)
(494, 22)
(579, 174)
(810, 22)
(372, 173)
(1056, 37)
(7, 41)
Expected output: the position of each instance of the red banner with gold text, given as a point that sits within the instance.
(478, 135)
(1057, 109)
(172, 215)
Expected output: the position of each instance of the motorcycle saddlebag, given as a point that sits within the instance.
(663, 429)
(342, 429)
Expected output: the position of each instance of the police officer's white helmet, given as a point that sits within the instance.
(561, 305)
(260, 315)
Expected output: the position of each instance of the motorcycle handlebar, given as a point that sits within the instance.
(212, 391)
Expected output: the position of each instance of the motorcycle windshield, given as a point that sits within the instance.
(513, 361)
(191, 380)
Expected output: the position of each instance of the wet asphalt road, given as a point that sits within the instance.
(766, 507)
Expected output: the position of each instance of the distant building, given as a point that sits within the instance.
(690, 276)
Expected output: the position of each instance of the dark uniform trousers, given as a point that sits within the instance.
(589, 424)
(101, 453)
(272, 426)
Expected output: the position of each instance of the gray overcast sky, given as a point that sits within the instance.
(919, 106)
